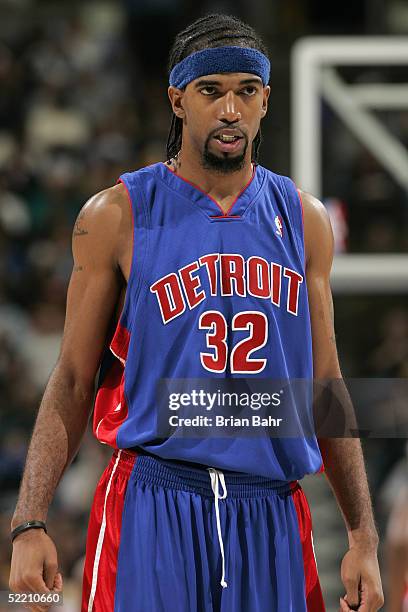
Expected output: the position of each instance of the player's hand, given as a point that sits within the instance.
(361, 577)
(34, 566)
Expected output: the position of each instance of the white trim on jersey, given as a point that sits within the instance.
(313, 548)
(117, 356)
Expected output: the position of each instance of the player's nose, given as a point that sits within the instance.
(229, 108)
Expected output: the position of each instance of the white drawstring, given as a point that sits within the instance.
(216, 476)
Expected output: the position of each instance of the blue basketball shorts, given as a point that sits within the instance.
(165, 536)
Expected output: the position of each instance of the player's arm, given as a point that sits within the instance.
(342, 457)
(64, 412)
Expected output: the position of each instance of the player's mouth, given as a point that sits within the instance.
(228, 140)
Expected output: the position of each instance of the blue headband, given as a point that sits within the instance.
(217, 60)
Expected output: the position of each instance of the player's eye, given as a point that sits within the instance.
(250, 90)
(208, 91)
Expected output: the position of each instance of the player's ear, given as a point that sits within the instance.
(266, 92)
(176, 100)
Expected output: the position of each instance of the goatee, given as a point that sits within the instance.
(224, 164)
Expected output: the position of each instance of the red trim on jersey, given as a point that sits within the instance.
(133, 241)
(301, 206)
(111, 408)
(104, 533)
(321, 469)
(224, 213)
(127, 191)
(120, 341)
(223, 216)
(131, 216)
(313, 592)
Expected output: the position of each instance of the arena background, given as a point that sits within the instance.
(82, 99)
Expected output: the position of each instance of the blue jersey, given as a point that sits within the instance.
(210, 295)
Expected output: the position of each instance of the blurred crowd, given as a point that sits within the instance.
(83, 99)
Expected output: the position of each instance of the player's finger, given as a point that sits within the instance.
(50, 571)
(372, 602)
(343, 605)
(36, 585)
(58, 582)
(32, 581)
(36, 607)
(57, 588)
(352, 597)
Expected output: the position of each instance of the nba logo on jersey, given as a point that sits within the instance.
(279, 226)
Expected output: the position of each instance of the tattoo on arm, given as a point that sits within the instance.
(78, 230)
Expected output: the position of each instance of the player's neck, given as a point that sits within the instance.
(223, 188)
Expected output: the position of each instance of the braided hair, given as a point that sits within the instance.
(214, 30)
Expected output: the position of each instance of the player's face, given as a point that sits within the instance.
(221, 116)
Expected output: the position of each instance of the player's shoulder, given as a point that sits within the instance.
(106, 211)
(112, 206)
(318, 233)
(314, 211)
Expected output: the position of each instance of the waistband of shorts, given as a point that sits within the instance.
(122, 462)
(164, 473)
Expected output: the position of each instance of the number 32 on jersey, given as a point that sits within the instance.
(240, 360)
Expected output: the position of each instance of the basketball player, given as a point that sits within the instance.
(216, 270)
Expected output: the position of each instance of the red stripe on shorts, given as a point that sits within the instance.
(313, 592)
(102, 546)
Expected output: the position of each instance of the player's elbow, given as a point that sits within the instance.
(79, 381)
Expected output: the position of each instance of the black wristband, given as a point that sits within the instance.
(27, 525)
